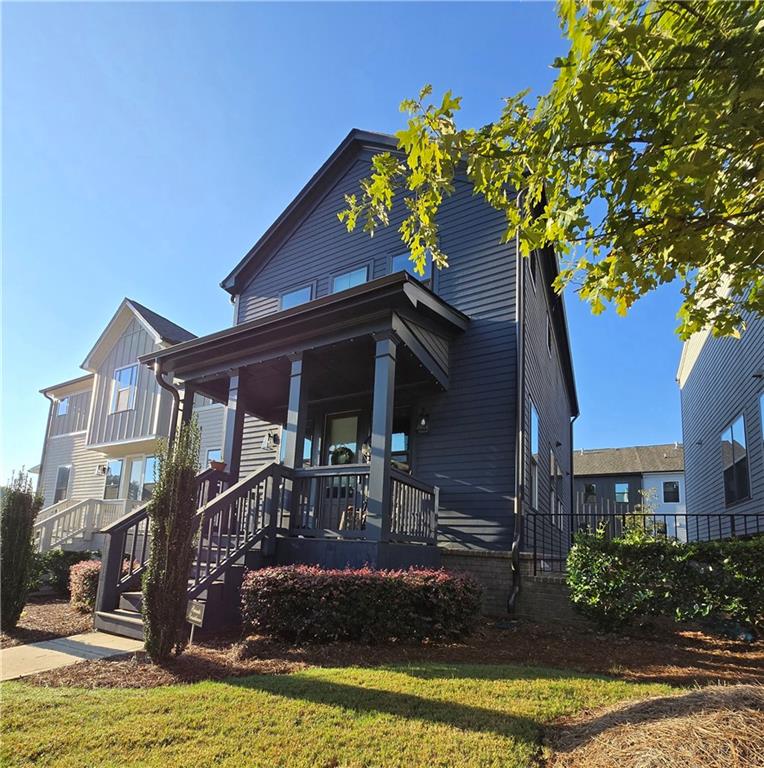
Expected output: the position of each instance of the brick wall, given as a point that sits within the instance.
(546, 598)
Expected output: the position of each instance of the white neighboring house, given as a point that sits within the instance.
(98, 458)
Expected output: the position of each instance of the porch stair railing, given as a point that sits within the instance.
(230, 520)
(74, 521)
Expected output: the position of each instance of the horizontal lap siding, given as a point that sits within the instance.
(137, 422)
(210, 420)
(76, 418)
(720, 386)
(545, 386)
(252, 454)
(469, 450)
(84, 480)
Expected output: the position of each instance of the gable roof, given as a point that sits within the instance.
(169, 332)
(635, 460)
(162, 330)
(306, 199)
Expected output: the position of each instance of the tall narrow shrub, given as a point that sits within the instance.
(172, 513)
(19, 506)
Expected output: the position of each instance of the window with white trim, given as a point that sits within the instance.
(123, 388)
(113, 479)
(350, 279)
(622, 493)
(63, 407)
(214, 454)
(296, 297)
(62, 483)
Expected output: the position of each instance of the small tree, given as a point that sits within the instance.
(171, 513)
(19, 506)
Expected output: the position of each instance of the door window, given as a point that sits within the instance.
(149, 478)
(342, 439)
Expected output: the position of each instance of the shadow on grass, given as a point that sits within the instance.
(398, 704)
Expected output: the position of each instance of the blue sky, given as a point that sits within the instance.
(145, 147)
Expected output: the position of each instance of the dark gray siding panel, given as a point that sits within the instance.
(320, 248)
(76, 418)
(545, 386)
(470, 448)
(252, 454)
(720, 386)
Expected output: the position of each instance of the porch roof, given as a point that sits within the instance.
(397, 303)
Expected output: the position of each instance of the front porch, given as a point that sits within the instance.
(339, 384)
(344, 377)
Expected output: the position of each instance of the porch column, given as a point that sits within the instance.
(187, 403)
(378, 515)
(233, 427)
(294, 434)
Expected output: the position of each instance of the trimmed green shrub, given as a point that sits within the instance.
(172, 520)
(307, 603)
(19, 505)
(83, 585)
(55, 567)
(615, 581)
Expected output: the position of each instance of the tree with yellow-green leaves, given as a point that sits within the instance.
(644, 163)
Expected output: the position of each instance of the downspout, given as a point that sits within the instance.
(175, 401)
(45, 441)
(520, 420)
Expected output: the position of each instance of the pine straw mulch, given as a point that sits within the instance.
(46, 618)
(714, 727)
(676, 657)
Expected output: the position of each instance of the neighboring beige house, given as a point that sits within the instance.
(98, 458)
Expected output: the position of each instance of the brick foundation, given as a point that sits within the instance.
(492, 570)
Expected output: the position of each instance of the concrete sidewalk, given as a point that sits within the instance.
(23, 660)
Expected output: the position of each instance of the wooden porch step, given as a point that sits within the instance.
(120, 622)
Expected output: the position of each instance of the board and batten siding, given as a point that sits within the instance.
(720, 386)
(84, 479)
(139, 421)
(210, 421)
(545, 387)
(76, 417)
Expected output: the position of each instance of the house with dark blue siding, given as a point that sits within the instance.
(372, 415)
(721, 381)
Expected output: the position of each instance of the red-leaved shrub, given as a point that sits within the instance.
(83, 585)
(307, 603)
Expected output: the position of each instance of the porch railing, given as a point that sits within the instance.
(413, 509)
(330, 501)
(76, 522)
(547, 539)
(127, 540)
(333, 501)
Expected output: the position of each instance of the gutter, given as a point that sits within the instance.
(45, 441)
(175, 402)
(519, 423)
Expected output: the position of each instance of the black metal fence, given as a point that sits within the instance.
(548, 538)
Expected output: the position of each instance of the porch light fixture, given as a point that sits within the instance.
(270, 442)
(423, 423)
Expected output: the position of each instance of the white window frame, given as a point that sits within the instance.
(116, 389)
(627, 500)
(68, 483)
(213, 450)
(63, 406)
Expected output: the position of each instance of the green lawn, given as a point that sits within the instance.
(418, 715)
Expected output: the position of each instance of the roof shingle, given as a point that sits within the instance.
(635, 460)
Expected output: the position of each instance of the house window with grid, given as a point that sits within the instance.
(534, 464)
(123, 388)
(735, 462)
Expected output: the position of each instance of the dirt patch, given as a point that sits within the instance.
(46, 618)
(678, 657)
(716, 727)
